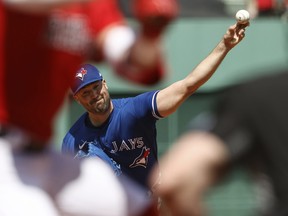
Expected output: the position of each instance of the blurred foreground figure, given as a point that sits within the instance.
(41, 45)
(249, 127)
(49, 43)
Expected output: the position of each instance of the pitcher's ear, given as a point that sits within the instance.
(76, 98)
(105, 84)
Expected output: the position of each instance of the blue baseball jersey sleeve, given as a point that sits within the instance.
(128, 137)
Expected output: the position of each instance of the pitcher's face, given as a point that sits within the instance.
(94, 97)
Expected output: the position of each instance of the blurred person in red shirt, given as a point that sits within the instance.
(42, 43)
(49, 45)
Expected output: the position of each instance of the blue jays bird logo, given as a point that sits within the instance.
(142, 159)
(80, 75)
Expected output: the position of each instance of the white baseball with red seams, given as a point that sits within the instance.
(242, 16)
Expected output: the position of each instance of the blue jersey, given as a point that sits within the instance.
(128, 136)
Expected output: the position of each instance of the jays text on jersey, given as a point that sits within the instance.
(128, 137)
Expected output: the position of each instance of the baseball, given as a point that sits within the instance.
(242, 16)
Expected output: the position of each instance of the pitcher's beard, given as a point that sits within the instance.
(102, 107)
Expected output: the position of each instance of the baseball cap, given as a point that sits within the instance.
(85, 75)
